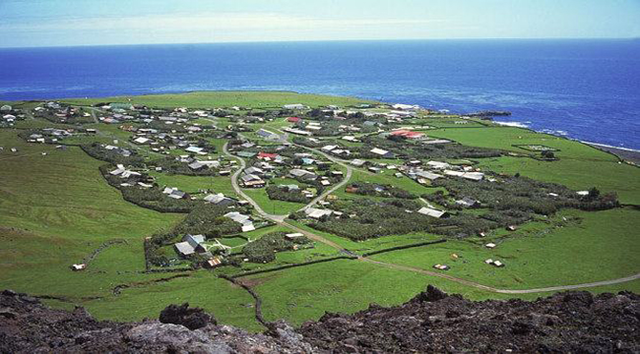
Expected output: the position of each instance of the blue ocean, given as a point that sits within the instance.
(584, 89)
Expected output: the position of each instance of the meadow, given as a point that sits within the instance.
(209, 99)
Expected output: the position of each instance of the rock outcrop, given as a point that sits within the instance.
(431, 322)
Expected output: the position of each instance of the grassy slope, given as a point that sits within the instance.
(580, 166)
(56, 209)
(601, 247)
(210, 99)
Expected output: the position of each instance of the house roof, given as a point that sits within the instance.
(431, 212)
(379, 151)
(184, 248)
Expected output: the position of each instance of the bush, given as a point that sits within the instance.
(263, 249)
(277, 193)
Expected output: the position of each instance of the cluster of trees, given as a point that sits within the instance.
(307, 142)
(380, 190)
(150, 198)
(365, 219)
(406, 150)
(263, 250)
(72, 117)
(548, 154)
(278, 193)
(170, 165)
(522, 194)
(208, 219)
(204, 219)
(97, 151)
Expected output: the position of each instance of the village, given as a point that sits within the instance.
(292, 166)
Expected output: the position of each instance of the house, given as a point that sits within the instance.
(468, 202)
(141, 140)
(316, 213)
(303, 174)
(219, 199)
(266, 134)
(427, 175)
(438, 165)
(297, 131)
(254, 171)
(494, 262)
(78, 267)
(382, 153)
(213, 262)
(405, 107)
(253, 181)
(441, 267)
(293, 119)
(246, 154)
(407, 134)
(191, 244)
(474, 176)
(244, 220)
(294, 236)
(195, 150)
(174, 193)
(211, 163)
(267, 156)
(358, 162)
(434, 213)
(197, 166)
(490, 245)
(294, 106)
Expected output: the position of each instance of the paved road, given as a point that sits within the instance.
(280, 220)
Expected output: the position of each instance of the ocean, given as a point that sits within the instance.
(583, 89)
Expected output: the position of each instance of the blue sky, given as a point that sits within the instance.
(29, 23)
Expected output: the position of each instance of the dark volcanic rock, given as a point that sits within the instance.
(433, 321)
(193, 318)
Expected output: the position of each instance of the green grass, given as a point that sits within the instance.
(602, 246)
(191, 184)
(230, 304)
(209, 99)
(278, 207)
(306, 293)
(579, 166)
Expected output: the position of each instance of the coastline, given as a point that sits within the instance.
(626, 154)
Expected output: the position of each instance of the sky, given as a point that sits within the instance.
(35, 23)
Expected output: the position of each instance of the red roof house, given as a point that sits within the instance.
(407, 134)
(266, 155)
(293, 119)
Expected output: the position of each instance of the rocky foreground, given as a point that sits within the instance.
(431, 322)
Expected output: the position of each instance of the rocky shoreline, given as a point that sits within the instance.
(431, 322)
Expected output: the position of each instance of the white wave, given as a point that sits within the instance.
(610, 146)
(513, 124)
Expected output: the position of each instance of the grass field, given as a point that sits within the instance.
(579, 166)
(597, 248)
(210, 99)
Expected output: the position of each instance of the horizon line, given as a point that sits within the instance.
(328, 40)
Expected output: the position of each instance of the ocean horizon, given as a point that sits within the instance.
(587, 90)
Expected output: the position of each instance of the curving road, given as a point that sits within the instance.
(280, 220)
